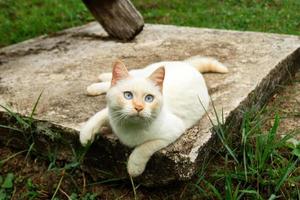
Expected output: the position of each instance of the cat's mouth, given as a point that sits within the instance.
(138, 117)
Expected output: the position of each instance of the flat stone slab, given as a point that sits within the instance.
(64, 64)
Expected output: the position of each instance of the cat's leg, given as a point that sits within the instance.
(141, 154)
(93, 126)
(98, 88)
(105, 77)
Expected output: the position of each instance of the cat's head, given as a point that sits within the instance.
(133, 99)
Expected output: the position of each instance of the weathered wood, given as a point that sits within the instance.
(119, 18)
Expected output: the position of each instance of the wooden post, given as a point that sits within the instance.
(119, 18)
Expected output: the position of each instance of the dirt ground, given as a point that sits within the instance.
(75, 184)
(287, 105)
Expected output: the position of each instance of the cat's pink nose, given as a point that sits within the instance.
(139, 108)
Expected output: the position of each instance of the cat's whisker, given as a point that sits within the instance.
(119, 117)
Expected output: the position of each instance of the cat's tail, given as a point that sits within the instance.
(206, 64)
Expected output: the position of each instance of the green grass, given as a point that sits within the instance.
(263, 166)
(278, 16)
(267, 166)
(21, 20)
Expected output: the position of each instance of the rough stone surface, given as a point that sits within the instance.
(62, 65)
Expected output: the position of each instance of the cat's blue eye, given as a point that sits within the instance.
(149, 98)
(128, 95)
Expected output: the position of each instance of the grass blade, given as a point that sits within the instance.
(58, 186)
(34, 108)
(107, 181)
(17, 117)
(272, 197)
(133, 188)
(215, 191)
(286, 173)
(10, 157)
(228, 187)
(253, 192)
(11, 128)
(219, 130)
(29, 150)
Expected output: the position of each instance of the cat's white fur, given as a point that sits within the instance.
(176, 106)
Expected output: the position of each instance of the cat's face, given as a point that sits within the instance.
(135, 99)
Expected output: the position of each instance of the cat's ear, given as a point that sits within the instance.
(119, 72)
(158, 77)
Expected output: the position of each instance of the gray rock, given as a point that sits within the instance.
(64, 64)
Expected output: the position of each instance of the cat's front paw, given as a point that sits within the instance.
(86, 135)
(135, 167)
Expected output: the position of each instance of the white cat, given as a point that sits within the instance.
(152, 107)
